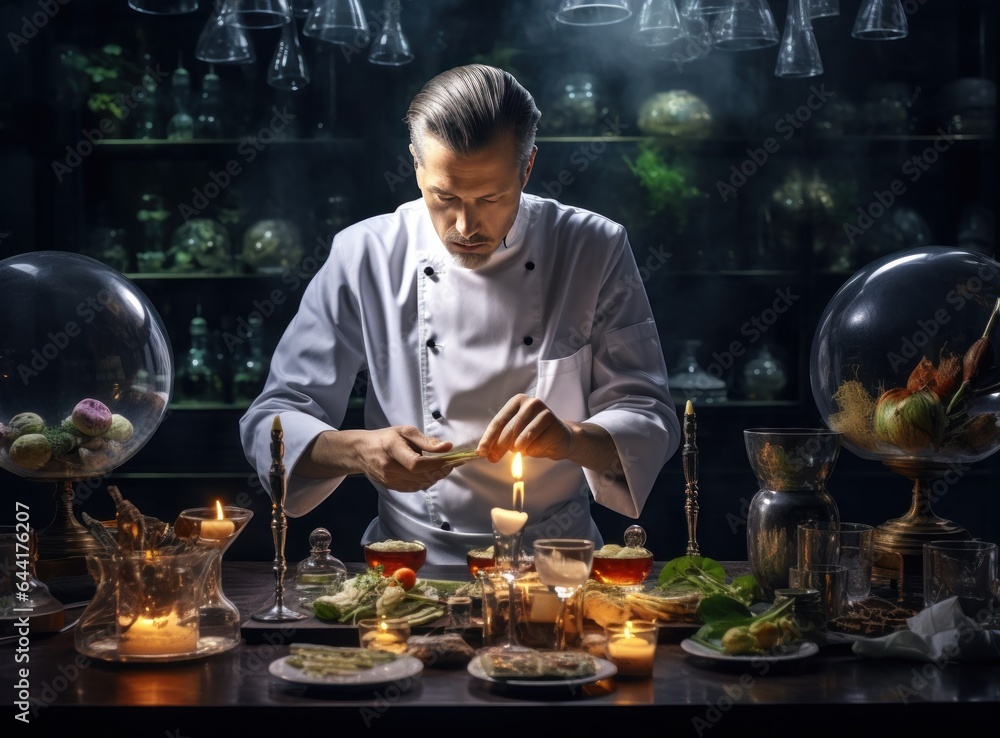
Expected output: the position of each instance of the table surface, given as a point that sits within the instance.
(234, 690)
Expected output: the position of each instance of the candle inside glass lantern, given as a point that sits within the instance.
(169, 635)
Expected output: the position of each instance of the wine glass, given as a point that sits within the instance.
(563, 564)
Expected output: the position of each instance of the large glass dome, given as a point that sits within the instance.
(906, 362)
(86, 367)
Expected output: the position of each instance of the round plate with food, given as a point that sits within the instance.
(344, 666)
(529, 668)
(789, 652)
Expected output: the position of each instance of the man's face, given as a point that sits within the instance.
(472, 199)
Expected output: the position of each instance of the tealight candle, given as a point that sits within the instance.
(632, 647)
(219, 528)
(165, 636)
(384, 634)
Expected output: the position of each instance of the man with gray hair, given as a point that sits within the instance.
(488, 320)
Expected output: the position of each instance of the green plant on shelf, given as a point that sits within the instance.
(110, 76)
(666, 184)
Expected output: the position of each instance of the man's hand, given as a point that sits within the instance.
(526, 424)
(390, 457)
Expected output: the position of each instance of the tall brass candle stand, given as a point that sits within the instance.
(278, 611)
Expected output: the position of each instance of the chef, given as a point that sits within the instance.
(486, 319)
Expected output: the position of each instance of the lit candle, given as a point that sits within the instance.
(633, 650)
(516, 468)
(508, 522)
(219, 528)
(384, 634)
(166, 636)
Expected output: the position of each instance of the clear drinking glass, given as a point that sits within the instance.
(260, 13)
(223, 42)
(660, 23)
(288, 70)
(963, 569)
(593, 12)
(563, 565)
(798, 55)
(881, 20)
(744, 25)
(340, 22)
(824, 8)
(845, 544)
(390, 48)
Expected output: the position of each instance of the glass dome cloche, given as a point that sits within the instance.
(905, 363)
(86, 375)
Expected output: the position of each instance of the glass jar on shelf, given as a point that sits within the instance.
(763, 376)
(197, 379)
(690, 381)
(251, 365)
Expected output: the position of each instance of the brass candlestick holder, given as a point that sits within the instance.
(278, 611)
(689, 460)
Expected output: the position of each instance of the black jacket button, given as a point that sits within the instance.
(436, 415)
(528, 340)
(445, 526)
(429, 271)
(529, 266)
(430, 343)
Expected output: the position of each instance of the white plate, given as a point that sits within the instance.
(804, 649)
(402, 667)
(605, 669)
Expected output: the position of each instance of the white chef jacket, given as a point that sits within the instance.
(560, 312)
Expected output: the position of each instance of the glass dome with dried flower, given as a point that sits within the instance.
(906, 364)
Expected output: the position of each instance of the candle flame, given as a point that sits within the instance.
(218, 511)
(517, 471)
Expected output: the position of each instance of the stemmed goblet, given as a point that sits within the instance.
(563, 564)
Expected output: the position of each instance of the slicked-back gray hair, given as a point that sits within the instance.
(468, 108)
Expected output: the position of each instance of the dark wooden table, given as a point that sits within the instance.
(233, 693)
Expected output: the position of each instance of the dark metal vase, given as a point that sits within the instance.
(792, 466)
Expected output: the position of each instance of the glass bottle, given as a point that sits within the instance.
(197, 379)
(792, 466)
(208, 107)
(689, 381)
(763, 376)
(147, 116)
(181, 124)
(252, 366)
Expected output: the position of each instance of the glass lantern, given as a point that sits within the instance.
(905, 363)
